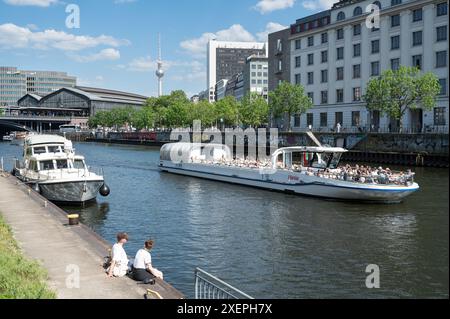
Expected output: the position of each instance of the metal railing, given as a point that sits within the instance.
(208, 286)
(437, 129)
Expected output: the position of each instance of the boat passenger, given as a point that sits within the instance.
(142, 266)
(119, 258)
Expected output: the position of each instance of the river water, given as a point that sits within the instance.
(270, 245)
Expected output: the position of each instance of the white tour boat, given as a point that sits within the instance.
(51, 167)
(303, 170)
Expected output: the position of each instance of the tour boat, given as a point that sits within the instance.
(8, 138)
(301, 170)
(52, 168)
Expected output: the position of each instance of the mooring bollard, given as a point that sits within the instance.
(74, 219)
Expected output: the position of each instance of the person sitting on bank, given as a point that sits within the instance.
(119, 258)
(142, 266)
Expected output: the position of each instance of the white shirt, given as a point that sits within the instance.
(142, 260)
(119, 255)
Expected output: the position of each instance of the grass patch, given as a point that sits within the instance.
(20, 278)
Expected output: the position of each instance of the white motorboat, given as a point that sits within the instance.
(8, 138)
(51, 167)
(302, 170)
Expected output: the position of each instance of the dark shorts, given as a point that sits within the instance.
(142, 275)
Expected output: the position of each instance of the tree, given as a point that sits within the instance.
(289, 99)
(394, 92)
(226, 109)
(253, 110)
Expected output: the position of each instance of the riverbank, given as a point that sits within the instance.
(20, 278)
(72, 256)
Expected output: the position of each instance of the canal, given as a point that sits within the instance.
(270, 245)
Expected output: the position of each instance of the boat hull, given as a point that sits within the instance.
(304, 185)
(70, 192)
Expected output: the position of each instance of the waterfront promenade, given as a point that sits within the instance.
(42, 232)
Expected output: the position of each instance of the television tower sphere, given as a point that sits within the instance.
(159, 73)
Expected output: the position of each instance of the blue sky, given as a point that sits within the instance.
(116, 44)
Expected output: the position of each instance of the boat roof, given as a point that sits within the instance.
(312, 149)
(45, 139)
(54, 156)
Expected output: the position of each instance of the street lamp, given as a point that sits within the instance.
(221, 124)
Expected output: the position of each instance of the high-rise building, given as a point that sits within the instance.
(256, 76)
(16, 83)
(334, 54)
(226, 59)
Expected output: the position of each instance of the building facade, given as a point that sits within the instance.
(221, 88)
(256, 76)
(279, 59)
(225, 59)
(16, 83)
(334, 54)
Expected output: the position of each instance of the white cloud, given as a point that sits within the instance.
(315, 5)
(267, 6)
(13, 36)
(104, 55)
(36, 3)
(99, 78)
(197, 47)
(271, 27)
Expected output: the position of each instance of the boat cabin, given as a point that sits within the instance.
(36, 145)
(294, 158)
(192, 152)
(46, 163)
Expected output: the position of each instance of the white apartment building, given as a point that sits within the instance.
(333, 55)
(256, 76)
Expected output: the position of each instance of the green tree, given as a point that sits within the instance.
(253, 110)
(394, 92)
(289, 99)
(226, 109)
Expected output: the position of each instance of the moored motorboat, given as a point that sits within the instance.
(51, 167)
(302, 170)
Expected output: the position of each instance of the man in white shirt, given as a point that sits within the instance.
(119, 262)
(142, 266)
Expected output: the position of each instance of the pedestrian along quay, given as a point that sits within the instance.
(72, 255)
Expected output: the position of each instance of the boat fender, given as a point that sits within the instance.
(104, 190)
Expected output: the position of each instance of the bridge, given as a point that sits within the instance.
(35, 123)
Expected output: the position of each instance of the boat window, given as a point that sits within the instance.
(78, 164)
(61, 164)
(53, 149)
(46, 165)
(33, 166)
(335, 161)
(29, 151)
(320, 160)
(39, 150)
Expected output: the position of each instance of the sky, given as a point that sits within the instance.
(116, 43)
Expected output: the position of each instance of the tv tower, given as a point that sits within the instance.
(159, 71)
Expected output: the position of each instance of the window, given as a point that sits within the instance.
(340, 16)
(297, 120)
(324, 37)
(395, 20)
(310, 41)
(309, 119)
(441, 59)
(339, 73)
(339, 53)
(46, 165)
(338, 118)
(253, 74)
(324, 76)
(357, 94)
(311, 96)
(439, 116)
(395, 2)
(280, 65)
(311, 59)
(441, 9)
(254, 66)
(356, 118)
(279, 45)
(310, 77)
(253, 81)
(324, 97)
(339, 34)
(357, 11)
(297, 61)
(375, 46)
(357, 71)
(323, 119)
(417, 15)
(417, 61)
(417, 38)
(378, 4)
(395, 42)
(356, 29)
(339, 95)
(324, 56)
(297, 78)
(298, 44)
(395, 64)
(443, 84)
(441, 33)
(357, 50)
(375, 68)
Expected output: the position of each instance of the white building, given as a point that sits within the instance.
(256, 76)
(333, 55)
(225, 59)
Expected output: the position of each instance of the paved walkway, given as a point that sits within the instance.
(44, 236)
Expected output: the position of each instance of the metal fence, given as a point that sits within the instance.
(381, 129)
(208, 286)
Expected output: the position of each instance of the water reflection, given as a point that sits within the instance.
(93, 214)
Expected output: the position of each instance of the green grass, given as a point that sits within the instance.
(20, 278)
